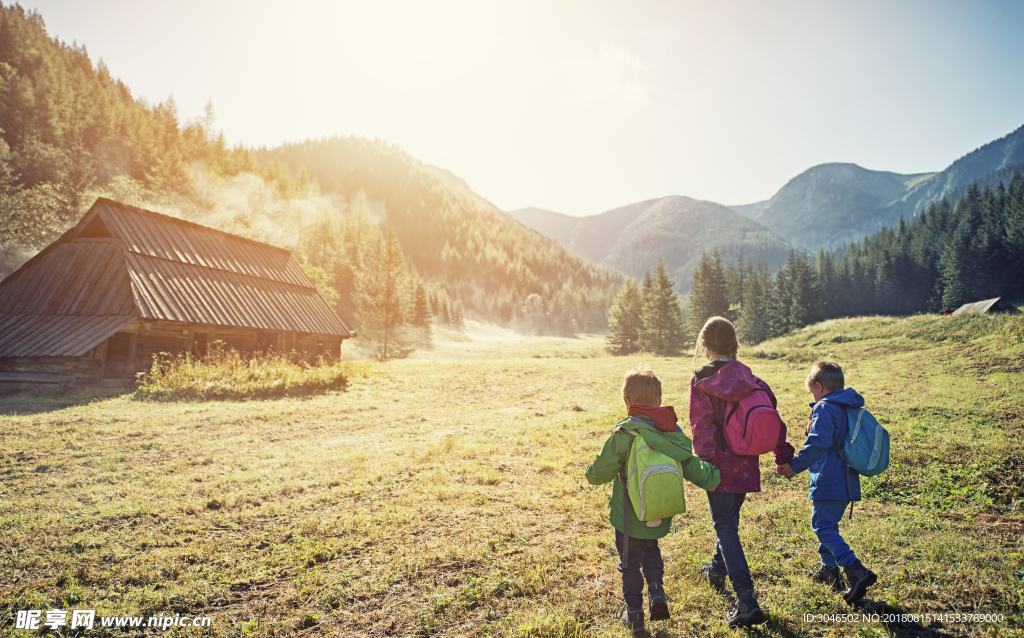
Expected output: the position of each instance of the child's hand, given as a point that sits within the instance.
(785, 470)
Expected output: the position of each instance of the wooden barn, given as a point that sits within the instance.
(989, 306)
(92, 308)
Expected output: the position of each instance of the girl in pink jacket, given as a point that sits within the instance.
(723, 382)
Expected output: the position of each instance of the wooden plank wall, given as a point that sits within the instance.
(156, 336)
(150, 337)
(48, 373)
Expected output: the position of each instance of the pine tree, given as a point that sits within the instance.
(28, 217)
(736, 275)
(827, 282)
(422, 314)
(779, 298)
(382, 297)
(708, 296)
(755, 321)
(956, 266)
(958, 270)
(805, 305)
(534, 314)
(1015, 232)
(456, 315)
(664, 332)
(625, 320)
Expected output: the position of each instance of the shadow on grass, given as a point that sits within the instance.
(775, 628)
(28, 402)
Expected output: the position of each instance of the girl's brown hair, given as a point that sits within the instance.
(719, 336)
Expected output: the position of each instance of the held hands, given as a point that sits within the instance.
(785, 470)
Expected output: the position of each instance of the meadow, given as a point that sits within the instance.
(444, 495)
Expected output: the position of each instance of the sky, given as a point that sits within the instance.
(582, 107)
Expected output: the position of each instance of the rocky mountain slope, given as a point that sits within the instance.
(834, 204)
(677, 229)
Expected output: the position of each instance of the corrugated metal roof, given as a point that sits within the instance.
(84, 277)
(154, 235)
(180, 292)
(55, 335)
(159, 267)
(988, 305)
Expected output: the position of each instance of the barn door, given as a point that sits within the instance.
(199, 342)
(118, 361)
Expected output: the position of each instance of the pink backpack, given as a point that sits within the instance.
(753, 425)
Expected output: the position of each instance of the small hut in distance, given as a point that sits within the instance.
(987, 307)
(95, 306)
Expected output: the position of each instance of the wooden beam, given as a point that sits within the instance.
(133, 346)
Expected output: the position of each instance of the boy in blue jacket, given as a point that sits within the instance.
(833, 483)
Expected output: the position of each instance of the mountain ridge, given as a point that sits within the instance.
(675, 228)
(836, 203)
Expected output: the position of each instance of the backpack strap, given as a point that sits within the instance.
(625, 502)
(735, 406)
(849, 490)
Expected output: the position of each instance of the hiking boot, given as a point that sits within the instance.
(659, 601)
(831, 576)
(716, 581)
(659, 608)
(859, 578)
(745, 611)
(634, 621)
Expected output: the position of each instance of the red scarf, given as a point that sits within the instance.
(664, 418)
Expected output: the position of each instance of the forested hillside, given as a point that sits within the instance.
(1003, 154)
(951, 254)
(450, 234)
(70, 132)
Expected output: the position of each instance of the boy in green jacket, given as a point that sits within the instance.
(642, 393)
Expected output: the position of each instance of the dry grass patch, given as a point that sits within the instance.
(227, 375)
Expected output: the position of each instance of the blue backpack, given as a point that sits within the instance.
(867, 443)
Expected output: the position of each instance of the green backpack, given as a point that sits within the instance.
(653, 480)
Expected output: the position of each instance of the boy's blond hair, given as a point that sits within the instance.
(828, 373)
(641, 385)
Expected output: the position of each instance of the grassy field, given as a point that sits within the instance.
(444, 495)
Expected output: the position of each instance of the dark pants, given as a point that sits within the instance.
(645, 556)
(729, 558)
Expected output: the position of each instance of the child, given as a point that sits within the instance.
(641, 392)
(833, 483)
(714, 388)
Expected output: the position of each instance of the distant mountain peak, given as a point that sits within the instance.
(836, 203)
(673, 228)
